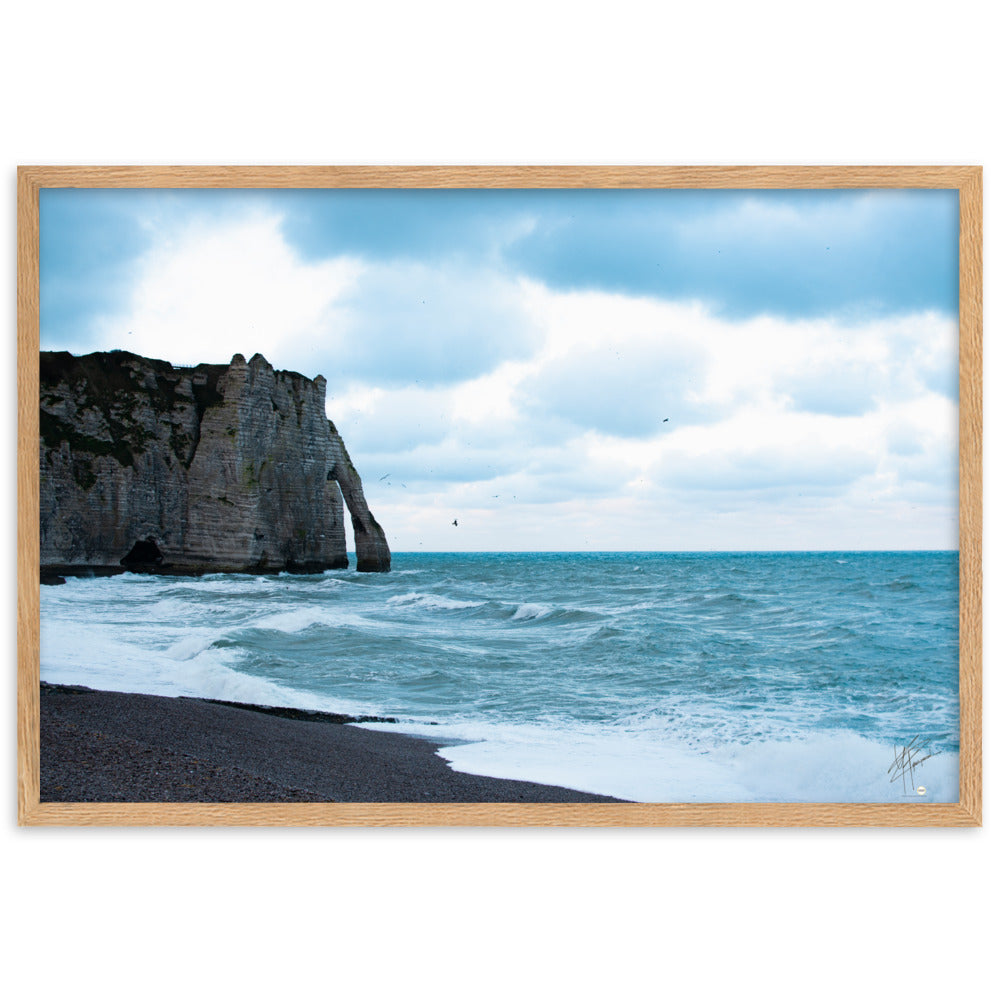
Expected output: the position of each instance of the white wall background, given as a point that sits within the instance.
(163, 913)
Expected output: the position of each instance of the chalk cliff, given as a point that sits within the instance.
(216, 468)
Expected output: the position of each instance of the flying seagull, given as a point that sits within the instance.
(455, 522)
(386, 476)
(665, 419)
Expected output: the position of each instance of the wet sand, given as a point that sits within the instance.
(103, 746)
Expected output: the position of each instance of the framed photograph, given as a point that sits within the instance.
(500, 496)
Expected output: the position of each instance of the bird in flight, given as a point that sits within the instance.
(665, 419)
(455, 522)
(386, 476)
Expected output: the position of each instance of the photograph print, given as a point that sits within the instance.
(499, 495)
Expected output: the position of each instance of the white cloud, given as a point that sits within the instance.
(762, 220)
(213, 290)
(759, 467)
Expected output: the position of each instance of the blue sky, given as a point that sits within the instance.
(566, 369)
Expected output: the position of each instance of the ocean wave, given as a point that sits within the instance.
(297, 620)
(431, 679)
(721, 600)
(433, 602)
(231, 585)
(528, 612)
(604, 632)
(641, 606)
(193, 644)
(347, 577)
(174, 608)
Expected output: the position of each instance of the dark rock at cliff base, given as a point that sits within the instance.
(216, 468)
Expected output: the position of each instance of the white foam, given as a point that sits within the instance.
(174, 609)
(342, 576)
(641, 767)
(626, 608)
(90, 655)
(433, 602)
(837, 767)
(191, 645)
(526, 612)
(220, 583)
(293, 621)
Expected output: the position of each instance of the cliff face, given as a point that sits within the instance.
(218, 468)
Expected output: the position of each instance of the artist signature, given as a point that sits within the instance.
(906, 761)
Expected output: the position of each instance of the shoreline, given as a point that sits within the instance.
(106, 746)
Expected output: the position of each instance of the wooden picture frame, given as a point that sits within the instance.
(967, 180)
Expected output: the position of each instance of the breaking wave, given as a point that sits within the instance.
(432, 602)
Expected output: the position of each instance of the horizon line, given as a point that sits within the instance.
(473, 552)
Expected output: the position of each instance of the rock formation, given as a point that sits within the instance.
(217, 468)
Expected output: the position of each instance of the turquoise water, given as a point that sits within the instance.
(658, 677)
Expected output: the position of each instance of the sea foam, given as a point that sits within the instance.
(432, 602)
(527, 612)
(638, 767)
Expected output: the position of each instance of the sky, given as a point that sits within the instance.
(566, 370)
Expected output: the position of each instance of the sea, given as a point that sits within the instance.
(653, 677)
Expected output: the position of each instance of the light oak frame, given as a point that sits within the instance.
(966, 812)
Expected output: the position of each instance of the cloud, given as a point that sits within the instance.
(863, 367)
(410, 322)
(463, 227)
(209, 291)
(210, 288)
(389, 420)
(87, 240)
(774, 422)
(797, 468)
(787, 253)
(430, 466)
(793, 254)
(644, 370)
